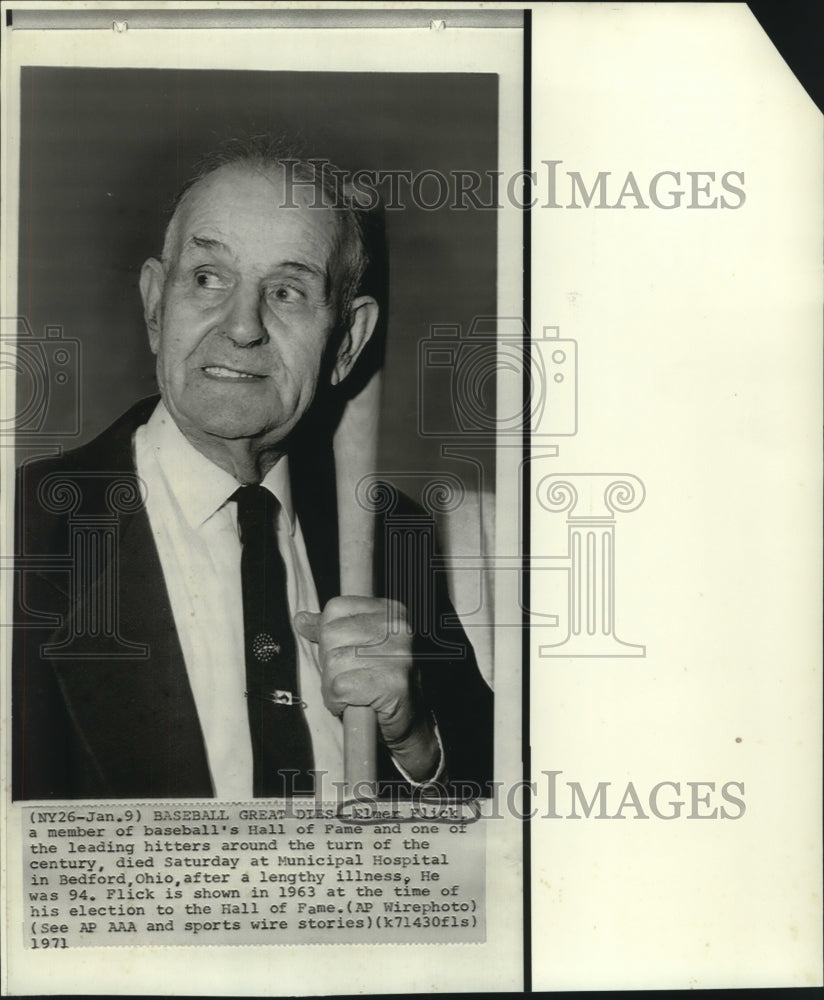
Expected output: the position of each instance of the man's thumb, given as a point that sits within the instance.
(308, 624)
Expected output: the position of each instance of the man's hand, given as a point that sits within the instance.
(386, 681)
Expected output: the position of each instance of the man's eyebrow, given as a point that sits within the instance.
(302, 266)
(209, 243)
(205, 243)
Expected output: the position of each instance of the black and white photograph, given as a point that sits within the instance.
(172, 637)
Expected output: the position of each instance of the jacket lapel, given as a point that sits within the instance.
(129, 694)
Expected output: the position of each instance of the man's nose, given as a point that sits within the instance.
(243, 323)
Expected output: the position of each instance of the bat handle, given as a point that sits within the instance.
(360, 768)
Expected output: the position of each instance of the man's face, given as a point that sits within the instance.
(241, 314)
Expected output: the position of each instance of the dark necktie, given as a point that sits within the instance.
(281, 744)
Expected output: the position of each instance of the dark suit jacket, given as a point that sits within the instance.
(102, 706)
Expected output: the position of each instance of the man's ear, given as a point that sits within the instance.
(152, 280)
(364, 312)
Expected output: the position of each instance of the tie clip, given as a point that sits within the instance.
(277, 697)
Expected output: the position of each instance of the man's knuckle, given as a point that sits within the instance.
(331, 611)
(339, 658)
(338, 686)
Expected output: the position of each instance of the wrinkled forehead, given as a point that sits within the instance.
(255, 203)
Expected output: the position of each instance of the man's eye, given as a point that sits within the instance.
(210, 280)
(286, 293)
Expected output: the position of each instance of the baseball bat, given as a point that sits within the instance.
(355, 447)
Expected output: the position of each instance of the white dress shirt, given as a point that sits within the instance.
(196, 533)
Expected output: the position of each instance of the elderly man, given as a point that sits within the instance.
(245, 654)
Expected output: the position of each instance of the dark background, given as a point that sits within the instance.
(103, 152)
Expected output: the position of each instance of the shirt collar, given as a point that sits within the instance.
(200, 487)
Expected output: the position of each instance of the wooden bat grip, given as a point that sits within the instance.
(360, 766)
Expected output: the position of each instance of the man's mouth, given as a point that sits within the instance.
(229, 374)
